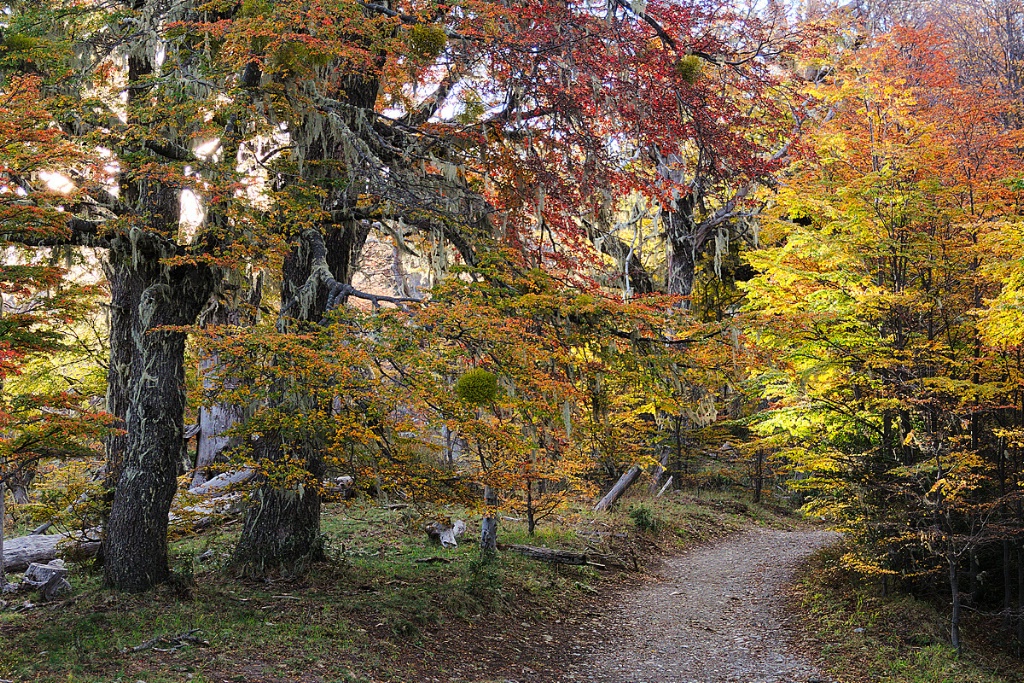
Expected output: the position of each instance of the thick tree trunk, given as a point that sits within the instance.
(282, 526)
(217, 419)
(211, 439)
(19, 482)
(682, 264)
(135, 545)
(128, 276)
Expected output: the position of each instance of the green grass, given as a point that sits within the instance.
(372, 613)
(898, 639)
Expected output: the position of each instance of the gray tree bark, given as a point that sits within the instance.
(22, 551)
(3, 551)
(215, 420)
(624, 482)
(489, 525)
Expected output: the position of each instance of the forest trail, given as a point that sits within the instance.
(714, 615)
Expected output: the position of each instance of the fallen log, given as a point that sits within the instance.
(20, 552)
(220, 485)
(668, 483)
(552, 556)
(624, 482)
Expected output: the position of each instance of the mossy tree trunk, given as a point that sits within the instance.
(3, 517)
(128, 276)
(135, 543)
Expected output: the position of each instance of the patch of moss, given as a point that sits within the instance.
(689, 68)
(427, 40)
(477, 387)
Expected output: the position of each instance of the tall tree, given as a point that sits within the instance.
(877, 265)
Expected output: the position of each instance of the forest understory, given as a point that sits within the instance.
(389, 606)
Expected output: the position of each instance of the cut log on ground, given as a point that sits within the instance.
(20, 552)
(624, 482)
(446, 534)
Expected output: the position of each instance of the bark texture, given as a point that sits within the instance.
(19, 553)
(489, 525)
(215, 420)
(3, 551)
(135, 545)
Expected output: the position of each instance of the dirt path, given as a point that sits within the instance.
(713, 616)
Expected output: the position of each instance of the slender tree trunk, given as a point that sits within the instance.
(489, 526)
(954, 588)
(1007, 593)
(3, 519)
(973, 574)
(758, 474)
(531, 517)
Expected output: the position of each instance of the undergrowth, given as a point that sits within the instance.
(861, 636)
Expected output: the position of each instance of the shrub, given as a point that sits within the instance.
(644, 519)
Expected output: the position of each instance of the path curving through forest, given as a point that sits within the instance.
(714, 615)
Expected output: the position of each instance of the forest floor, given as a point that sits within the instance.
(376, 612)
(707, 596)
